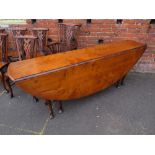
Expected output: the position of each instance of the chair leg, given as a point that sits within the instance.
(9, 86)
(49, 104)
(60, 107)
(4, 83)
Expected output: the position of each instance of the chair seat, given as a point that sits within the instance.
(13, 53)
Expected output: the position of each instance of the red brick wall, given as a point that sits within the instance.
(108, 30)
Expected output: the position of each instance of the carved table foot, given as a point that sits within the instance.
(118, 84)
(49, 104)
(35, 99)
(60, 107)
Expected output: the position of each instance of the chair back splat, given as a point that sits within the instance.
(41, 34)
(68, 36)
(18, 31)
(2, 30)
(4, 58)
(3, 48)
(26, 46)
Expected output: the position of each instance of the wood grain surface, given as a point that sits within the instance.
(78, 73)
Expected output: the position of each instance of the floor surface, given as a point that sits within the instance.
(129, 109)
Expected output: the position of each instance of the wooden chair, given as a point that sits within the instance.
(17, 31)
(55, 47)
(41, 34)
(67, 38)
(26, 48)
(4, 58)
(2, 30)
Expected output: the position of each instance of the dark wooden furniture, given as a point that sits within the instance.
(75, 74)
(17, 31)
(41, 34)
(2, 30)
(67, 38)
(55, 47)
(26, 48)
(3, 58)
(3, 45)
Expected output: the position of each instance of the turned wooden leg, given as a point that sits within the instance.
(122, 80)
(118, 84)
(35, 99)
(60, 107)
(49, 104)
(4, 83)
(9, 86)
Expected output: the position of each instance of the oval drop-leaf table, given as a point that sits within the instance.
(78, 73)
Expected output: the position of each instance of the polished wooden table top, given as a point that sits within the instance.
(51, 63)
